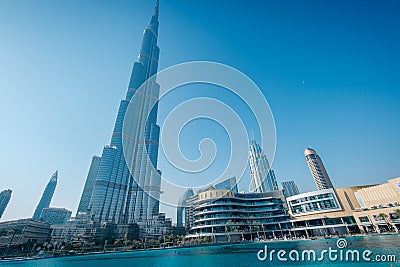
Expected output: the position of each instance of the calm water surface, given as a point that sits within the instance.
(244, 254)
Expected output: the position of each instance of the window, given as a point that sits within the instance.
(397, 185)
(348, 201)
(363, 219)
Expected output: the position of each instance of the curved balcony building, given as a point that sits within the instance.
(223, 216)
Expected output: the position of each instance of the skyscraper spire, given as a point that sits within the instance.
(154, 19)
(156, 8)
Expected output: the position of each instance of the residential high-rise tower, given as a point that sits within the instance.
(46, 197)
(317, 169)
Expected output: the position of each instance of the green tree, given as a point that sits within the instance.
(15, 231)
(396, 214)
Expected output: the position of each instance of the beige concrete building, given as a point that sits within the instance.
(324, 212)
(380, 195)
(358, 209)
(380, 207)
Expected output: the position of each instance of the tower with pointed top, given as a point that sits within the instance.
(262, 176)
(125, 195)
(46, 197)
(5, 197)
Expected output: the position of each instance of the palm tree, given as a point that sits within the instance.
(15, 231)
(396, 214)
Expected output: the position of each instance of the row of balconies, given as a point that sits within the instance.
(240, 218)
(233, 203)
(225, 210)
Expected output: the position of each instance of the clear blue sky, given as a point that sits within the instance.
(329, 69)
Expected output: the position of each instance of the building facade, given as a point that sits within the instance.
(89, 184)
(125, 194)
(228, 184)
(352, 210)
(155, 227)
(55, 216)
(290, 188)
(317, 169)
(324, 212)
(80, 228)
(5, 197)
(379, 207)
(182, 205)
(223, 216)
(262, 176)
(46, 197)
(24, 231)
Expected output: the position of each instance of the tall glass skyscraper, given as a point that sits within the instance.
(182, 206)
(262, 176)
(89, 184)
(121, 193)
(317, 169)
(228, 184)
(290, 188)
(46, 197)
(5, 197)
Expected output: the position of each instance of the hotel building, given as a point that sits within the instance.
(317, 169)
(225, 216)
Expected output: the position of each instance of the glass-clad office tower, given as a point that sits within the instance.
(89, 184)
(228, 184)
(290, 188)
(46, 197)
(123, 194)
(262, 176)
(5, 197)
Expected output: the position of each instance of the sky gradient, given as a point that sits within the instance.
(329, 70)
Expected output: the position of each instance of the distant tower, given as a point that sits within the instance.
(290, 188)
(228, 184)
(5, 197)
(182, 206)
(262, 176)
(89, 185)
(46, 197)
(317, 169)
